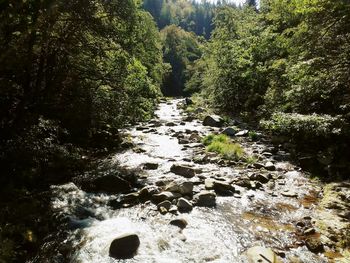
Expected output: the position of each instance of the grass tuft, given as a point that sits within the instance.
(223, 145)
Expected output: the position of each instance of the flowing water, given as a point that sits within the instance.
(222, 234)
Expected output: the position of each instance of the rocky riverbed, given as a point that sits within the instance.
(172, 201)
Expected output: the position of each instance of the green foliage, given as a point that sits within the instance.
(189, 15)
(253, 135)
(304, 125)
(291, 56)
(181, 49)
(223, 145)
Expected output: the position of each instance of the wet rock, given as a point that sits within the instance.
(223, 188)
(184, 205)
(179, 222)
(209, 184)
(258, 165)
(289, 193)
(270, 166)
(260, 178)
(195, 137)
(170, 124)
(165, 204)
(300, 224)
(309, 231)
(243, 182)
(229, 131)
(261, 255)
(184, 188)
(124, 246)
(314, 245)
(150, 166)
(205, 198)
(148, 191)
(183, 141)
(213, 121)
(157, 198)
(189, 118)
(183, 170)
(242, 133)
(173, 209)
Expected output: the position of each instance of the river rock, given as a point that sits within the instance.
(261, 255)
(179, 222)
(124, 246)
(229, 131)
(205, 198)
(209, 184)
(184, 205)
(259, 177)
(157, 198)
(213, 121)
(242, 133)
(223, 188)
(170, 124)
(165, 204)
(150, 166)
(270, 166)
(148, 191)
(314, 245)
(289, 193)
(183, 170)
(184, 188)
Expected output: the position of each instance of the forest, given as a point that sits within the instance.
(75, 74)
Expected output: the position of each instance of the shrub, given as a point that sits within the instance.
(307, 126)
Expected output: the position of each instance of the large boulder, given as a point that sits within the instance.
(205, 198)
(183, 170)
(124, 246)
(213, 121)
(261, 255)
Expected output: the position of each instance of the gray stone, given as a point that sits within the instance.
(164, 196)
(124, 246)
(165, 204)
(270, 166)
(183, 170)
(314, 245)
(150, 166)
(179, 222)
(205, 198)
(184, 188)
(213, 121)
(260, 178)
(223, 188)
(229, 131)
(289, 193)
(184, 205)
(242, 133)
